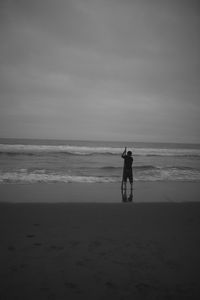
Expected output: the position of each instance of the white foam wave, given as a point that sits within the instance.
(23, 177)
(39, 176)
(79, 150)
(86, 150)
(172, 174)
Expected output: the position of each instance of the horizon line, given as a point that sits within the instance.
(100, 140)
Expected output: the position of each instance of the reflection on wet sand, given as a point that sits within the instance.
(127, 197)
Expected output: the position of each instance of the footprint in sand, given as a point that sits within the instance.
(30, 235)
(110, 285)
(144, 287)
(11, 248)
(94, 245)
(72, 286)
(80, 263)
(14, 268)
(51, 297)
(54, 247)
(37, 244)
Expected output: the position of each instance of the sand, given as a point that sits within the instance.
(137, 250)
(106, 193)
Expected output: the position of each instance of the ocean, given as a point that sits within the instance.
(28, 161)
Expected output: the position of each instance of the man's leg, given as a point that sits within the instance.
(131, 180)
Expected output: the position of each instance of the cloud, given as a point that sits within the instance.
(102, 69)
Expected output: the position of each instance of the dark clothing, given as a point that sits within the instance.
(128, 161)
(127, 174)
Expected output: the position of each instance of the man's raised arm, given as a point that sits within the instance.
(124, 153)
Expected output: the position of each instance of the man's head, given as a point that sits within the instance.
(129, 153)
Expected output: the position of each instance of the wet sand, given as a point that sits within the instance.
(143, 192)
(99, 250)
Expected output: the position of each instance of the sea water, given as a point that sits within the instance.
(53, 161)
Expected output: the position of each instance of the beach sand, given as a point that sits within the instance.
(139, 250)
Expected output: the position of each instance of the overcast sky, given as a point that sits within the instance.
(100, 69)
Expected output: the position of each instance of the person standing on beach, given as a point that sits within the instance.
(127, 171)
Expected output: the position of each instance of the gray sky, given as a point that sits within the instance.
(100, 69)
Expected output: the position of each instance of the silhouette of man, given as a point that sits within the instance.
(127, 172)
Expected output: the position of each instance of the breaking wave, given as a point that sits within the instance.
(27, 178)
(14, 150)
(145, 173)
